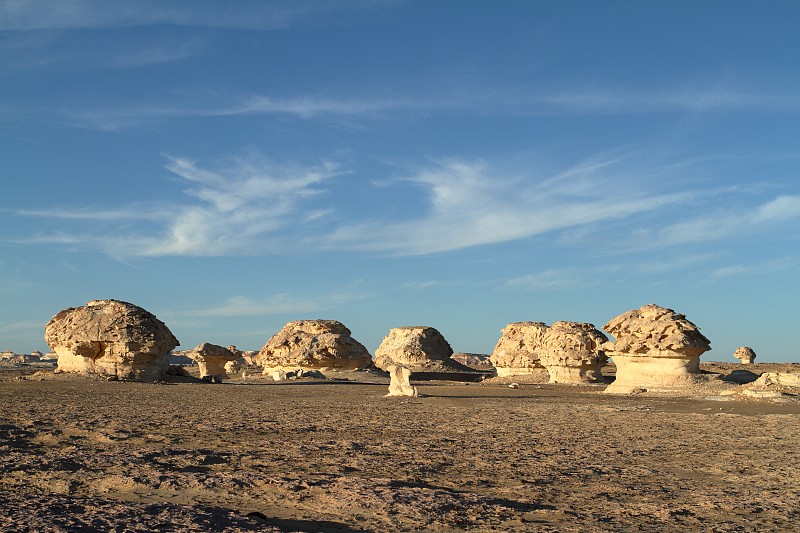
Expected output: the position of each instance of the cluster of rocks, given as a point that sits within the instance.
(569, 352)
(654, 349)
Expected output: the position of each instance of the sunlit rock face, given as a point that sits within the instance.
(313, 344)
(655, 349)
(418, 348)
(519, 350)
(745, 354)
(211, 360)
(571, 352)
(400, 381)
(112, 338)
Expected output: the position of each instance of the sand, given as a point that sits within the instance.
(91, 455)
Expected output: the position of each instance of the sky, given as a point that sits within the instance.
(232, 166)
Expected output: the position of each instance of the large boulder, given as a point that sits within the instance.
(571, 352)
(420, 349)
(656, 349)
(518, 351)
(745, 354)
(211, 359)
(313, 344)
(112, 338)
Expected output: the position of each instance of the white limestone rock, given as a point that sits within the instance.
(571, 352)
(745, 354)
(313, 344)
(400, 381)
(111, 338)
(211, 360)
(419, 349)
(518, 352)
(656, 349)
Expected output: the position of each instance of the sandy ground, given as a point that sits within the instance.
(90, 455)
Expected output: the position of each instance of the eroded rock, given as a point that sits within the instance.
(656, 349)
(571, 352)
(112, 338)
(419, 349)
(211, 360)
(518, 352)
(745, 354)
(400, 381)
(313, 344)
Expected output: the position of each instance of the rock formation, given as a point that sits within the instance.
(656, 349)
(476, 361)
(571, 352)
(745, 354)
(112, 338)
(313, 344)
(400, 381)
(211, 359)
(419, 349)
(519, 349)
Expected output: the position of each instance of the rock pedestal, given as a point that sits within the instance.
(518, 351)
(112, 338)
(313, 344)
(656, 349)
(400, 381)
(572, 352)
(419, 349)
(211, 359)
(745, 354)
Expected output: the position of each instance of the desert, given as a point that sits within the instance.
(253, 454)
(115, 431)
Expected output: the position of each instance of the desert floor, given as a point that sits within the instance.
(90, 455)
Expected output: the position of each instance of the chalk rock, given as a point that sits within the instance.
(313, 344)
(777, 379)
(233, 367)
(418, 348)
(476, 361)
(518, 351)
(400, 381)
(112, 338)
(656, 349)
(211, 359)
(745, 354)
(571, 352)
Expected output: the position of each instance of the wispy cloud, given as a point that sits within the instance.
(390, 106)
(274, 305)
(248, 206)
(473, 203)
(742, 220)
(245, 14)
(766, 267)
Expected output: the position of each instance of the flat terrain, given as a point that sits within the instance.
(89, 455)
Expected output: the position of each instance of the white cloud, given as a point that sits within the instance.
(766, 267)
(274, 305)
(735, 222)
(472, 203)
(81, 14)
(249, 206)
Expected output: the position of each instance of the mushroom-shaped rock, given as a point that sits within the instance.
(400, 381)
(112, 338)
(313, 344)
(519, 349)
(656, 349)
(420, 349)
(572, 352)
(745, 354)
(211, 359)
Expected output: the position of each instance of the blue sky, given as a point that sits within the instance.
(231, 166)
